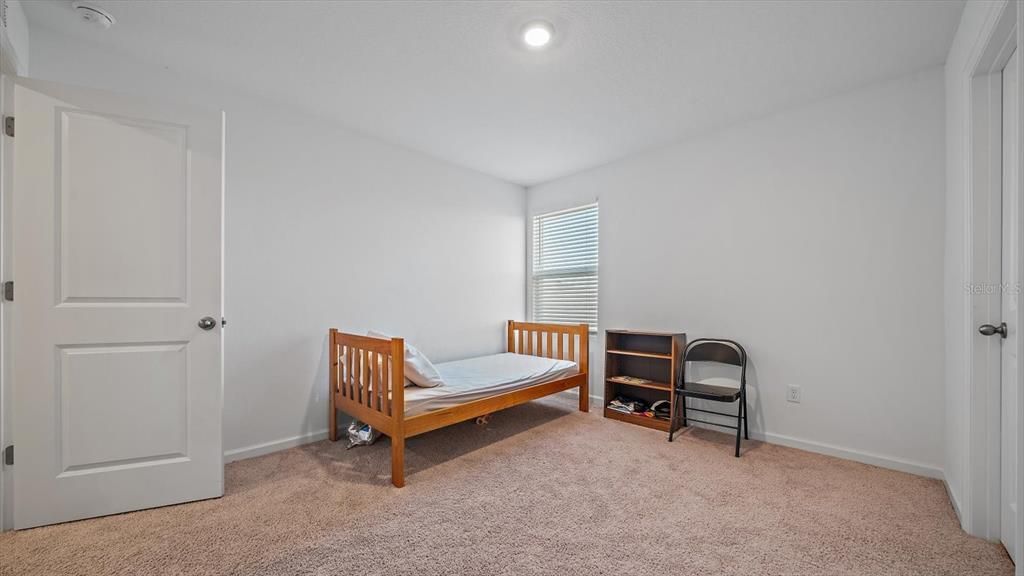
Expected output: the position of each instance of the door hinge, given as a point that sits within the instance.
(9, 291)
(9, 455)
(9, 126)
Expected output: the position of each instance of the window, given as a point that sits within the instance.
(565, 266)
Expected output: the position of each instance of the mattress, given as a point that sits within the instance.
(476, 378)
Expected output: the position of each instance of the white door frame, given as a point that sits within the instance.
(8, 67)
(7, 70)
(982, 89)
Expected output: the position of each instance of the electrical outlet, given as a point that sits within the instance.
(793, 394)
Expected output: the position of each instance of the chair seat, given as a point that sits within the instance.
(709, 392)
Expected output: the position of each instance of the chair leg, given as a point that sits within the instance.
(739, 425)
(746, 410)
(685, 424)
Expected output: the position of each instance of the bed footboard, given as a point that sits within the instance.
(367, 382)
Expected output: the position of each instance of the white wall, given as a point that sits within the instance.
(328, 228)
(815, 238)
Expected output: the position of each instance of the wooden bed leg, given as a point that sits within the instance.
(332, 366)
(398, 461)
(332, 423)
(585, 396)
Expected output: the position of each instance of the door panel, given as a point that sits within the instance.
(151, 378)
(124, 232)
(117, 255)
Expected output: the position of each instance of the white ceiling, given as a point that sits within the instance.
(451, 79)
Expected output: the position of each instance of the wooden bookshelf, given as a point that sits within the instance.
(651, 357)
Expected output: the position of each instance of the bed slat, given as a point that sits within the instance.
(343, 375)
(385, 392)
(357, 375)
(371, 375)
(351, 375)
(354, 376)
(384, 361)
(378, 365)
(357, 382)
(368, 388)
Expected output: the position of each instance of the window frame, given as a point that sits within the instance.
(532, 261)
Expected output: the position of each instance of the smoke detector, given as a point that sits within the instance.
(93, 14)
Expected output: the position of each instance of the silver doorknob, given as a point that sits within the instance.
(990, 330)
(207, 323)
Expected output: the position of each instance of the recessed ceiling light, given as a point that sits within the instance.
(537, 35)
(93, 14)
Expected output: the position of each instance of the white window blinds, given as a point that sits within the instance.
(565, 266)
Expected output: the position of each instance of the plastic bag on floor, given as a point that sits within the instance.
(360, 434)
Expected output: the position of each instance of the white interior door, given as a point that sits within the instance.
(117, 254)
(1010, 296)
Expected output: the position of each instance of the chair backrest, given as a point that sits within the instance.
(715, 350)
(719, 351)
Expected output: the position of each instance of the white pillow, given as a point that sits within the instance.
(418, 368)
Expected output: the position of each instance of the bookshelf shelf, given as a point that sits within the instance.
(644, 421)
(648, 384)
(641, 354)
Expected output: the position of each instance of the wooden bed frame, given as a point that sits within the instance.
(356, 389)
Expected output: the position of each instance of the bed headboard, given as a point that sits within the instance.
(561, 341)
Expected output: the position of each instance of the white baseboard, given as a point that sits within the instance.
(953, 500)
(268, 447)
(889, 462)
(273, 446)
(595, 401)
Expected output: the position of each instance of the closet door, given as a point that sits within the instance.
(116, 360)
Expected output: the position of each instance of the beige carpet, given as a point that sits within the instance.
(540, 490)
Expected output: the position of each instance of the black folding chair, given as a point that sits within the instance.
(721, 352)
